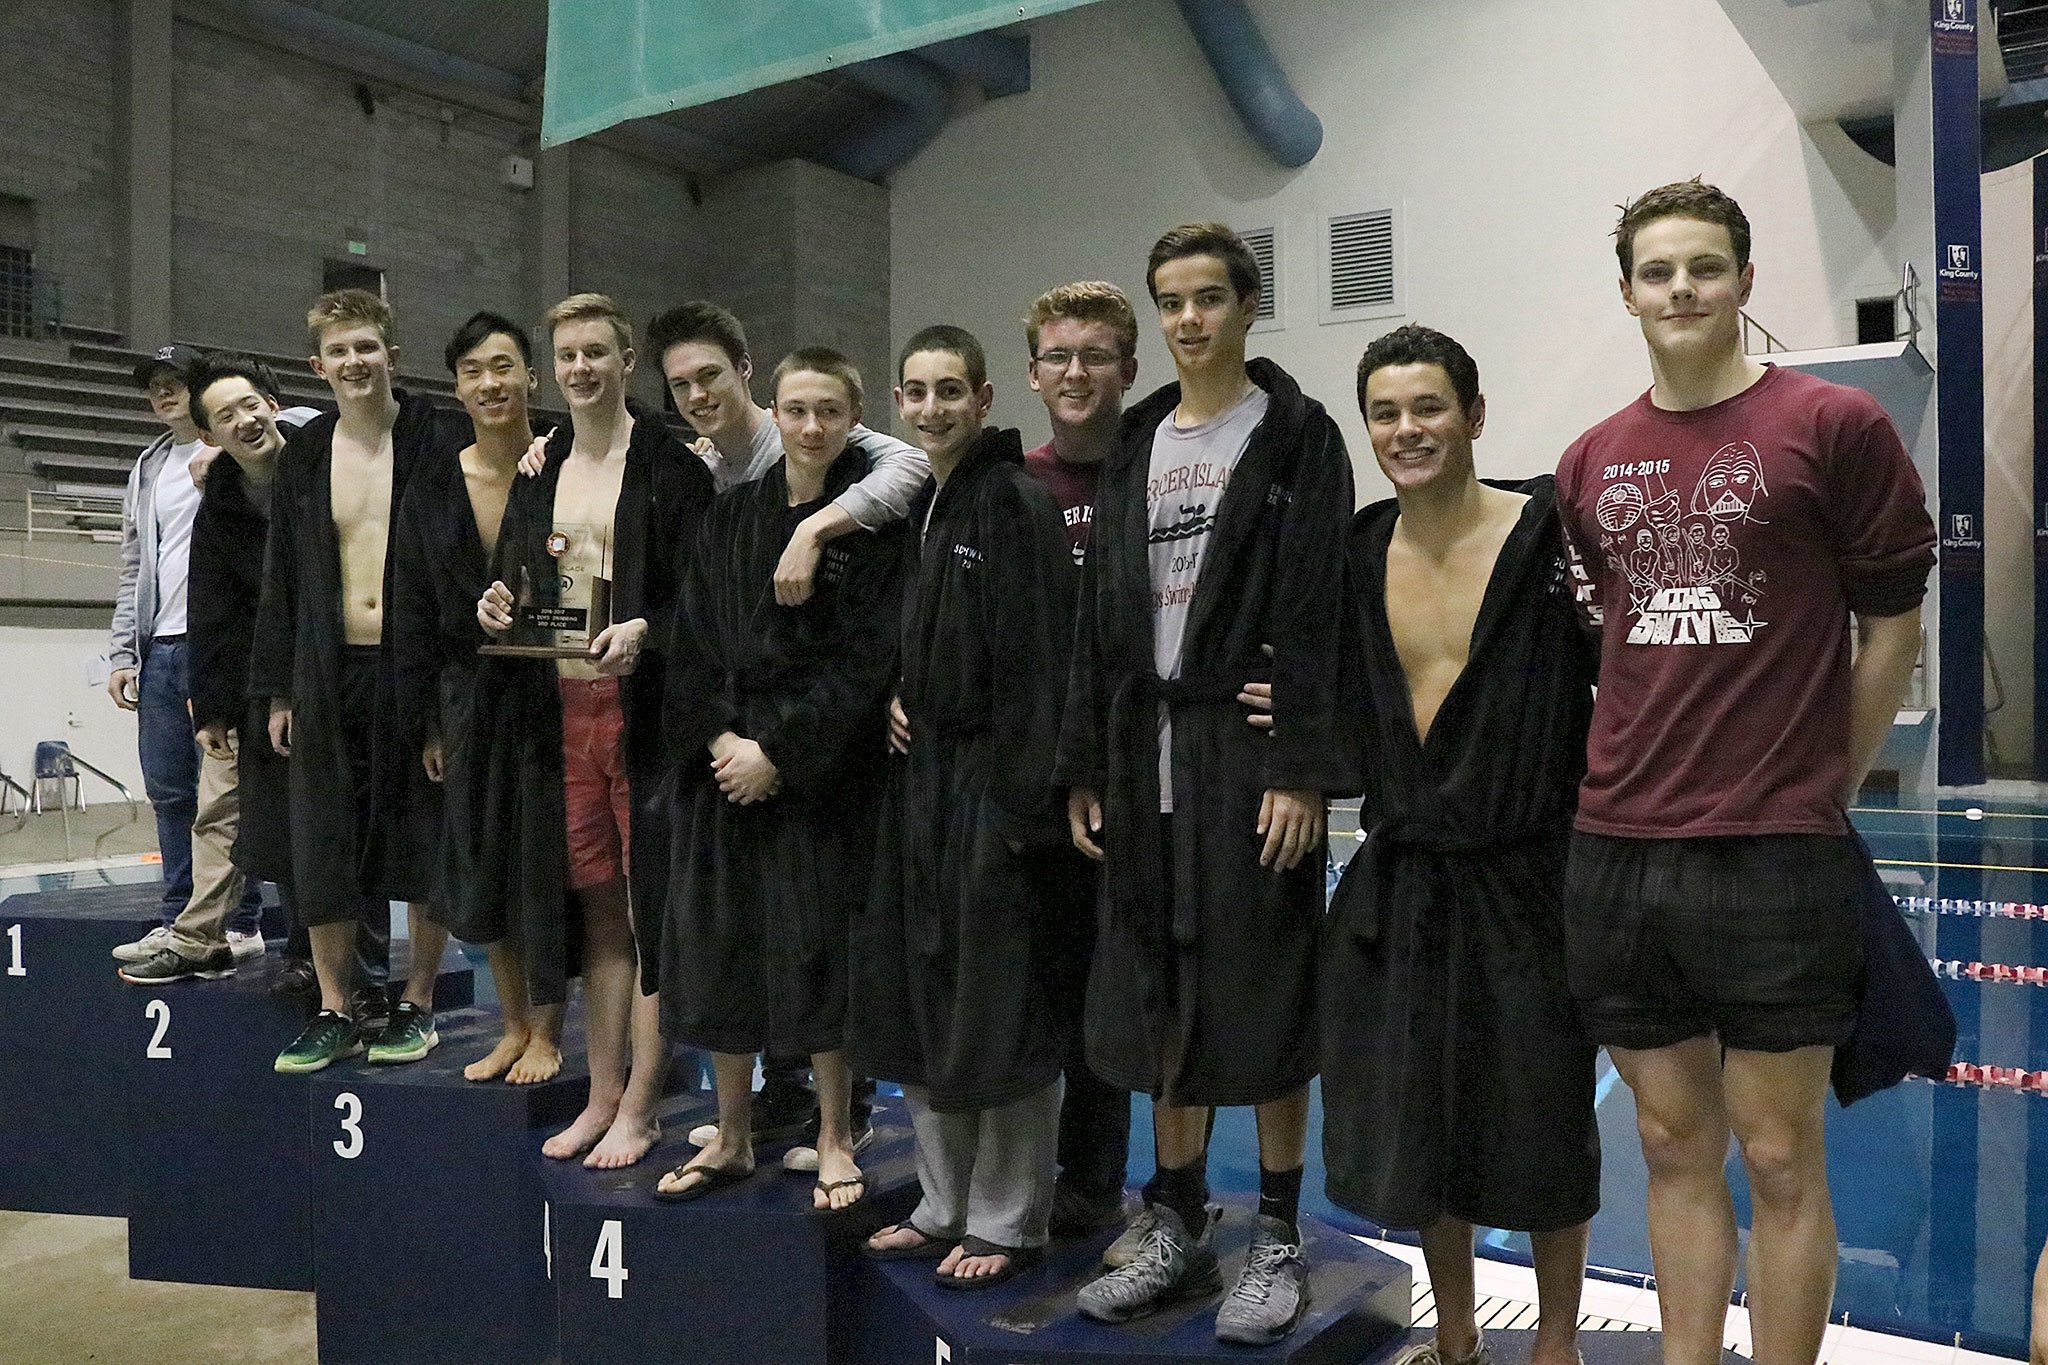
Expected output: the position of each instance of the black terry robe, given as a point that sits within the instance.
(223, 590)
(442, 571)
(297, 653)
(762, 897)
(520, 857)
(1456, 1077)
(1203, 986)
(956, 955)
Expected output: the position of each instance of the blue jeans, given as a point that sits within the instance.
(170, 776)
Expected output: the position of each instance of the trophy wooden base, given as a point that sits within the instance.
(536, 651)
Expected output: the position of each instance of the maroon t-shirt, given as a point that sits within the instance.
(1721, 552)
(1073, 487)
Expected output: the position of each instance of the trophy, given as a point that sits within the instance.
(562, 600)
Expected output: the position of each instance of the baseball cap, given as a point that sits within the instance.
(176, 357)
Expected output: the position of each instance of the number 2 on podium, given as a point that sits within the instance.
(15, 967)
(159, 1010)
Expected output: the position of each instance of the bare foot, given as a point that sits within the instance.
(835, 1169)
(973, 1267)
(624, 1142)
(496, 1062)
(712, 1157)
(539, 1062)
(902, 1235)
(582, 1135)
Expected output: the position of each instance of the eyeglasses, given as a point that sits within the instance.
(1091, 358)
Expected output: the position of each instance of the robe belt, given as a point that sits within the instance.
(1140, 879)
(1393, 845)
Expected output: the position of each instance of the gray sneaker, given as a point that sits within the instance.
(144, 948)
(1426, 1353)
(1170, 1265)
(1271, 1291)
(1131, 1240)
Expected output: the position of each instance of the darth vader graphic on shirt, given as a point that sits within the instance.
(1680, 550)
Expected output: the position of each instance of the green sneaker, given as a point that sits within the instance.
(407, 1038)
(329, 1038)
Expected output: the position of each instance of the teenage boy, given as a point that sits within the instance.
(957, 955)
(447, 533)
(571, 800)
(704, 360)
(1457, 1082)
(320, 658)
(1219, 529)
(1714, 944)
(243, 804)
(782, 707)
(1083, 343)
(148, 654)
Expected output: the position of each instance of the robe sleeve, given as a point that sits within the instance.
(683, 493)
(218, 667)
(276, 636)
(844, 701)
(1022, 609)
(895, 474)
(415, 619)
(1306, 752)
(695, 707)
(1080, 759)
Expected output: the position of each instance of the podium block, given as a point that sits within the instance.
(65, 1145)
(1610, 1347)
(748, 1273)
(428, 1233)
(1359, 1304)
(224, 1193)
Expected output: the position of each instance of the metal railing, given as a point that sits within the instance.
(1908, 298)
(95, 516)
(1751, 326)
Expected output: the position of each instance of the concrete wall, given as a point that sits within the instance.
(2009, 457)
(65, 703)
(56, 123)
(1504, 132)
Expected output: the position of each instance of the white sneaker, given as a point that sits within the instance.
(144, 948)
(245, 946)
(703, 1134)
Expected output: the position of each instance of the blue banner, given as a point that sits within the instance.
(1959, 411)
(2040, 465)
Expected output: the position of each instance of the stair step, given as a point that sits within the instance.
(108, 471)
(64, 440)
(142, 425)
(102, 336)
(119, 398)
(287, 368)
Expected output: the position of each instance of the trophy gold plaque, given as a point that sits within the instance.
(561, 599)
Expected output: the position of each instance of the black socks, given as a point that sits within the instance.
(1280, 1196)
(1185, 1190)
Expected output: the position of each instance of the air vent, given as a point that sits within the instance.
(1363, 278)
(1265, 245)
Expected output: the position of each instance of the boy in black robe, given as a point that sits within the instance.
(362, 808)
(956, 957)
(1219, 529)
(781, 705)
(1457, 1081)
(448, 530)
(571, 797)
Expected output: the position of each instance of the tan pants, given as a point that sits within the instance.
(217, 884)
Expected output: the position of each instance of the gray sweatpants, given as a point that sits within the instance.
(987, 1173)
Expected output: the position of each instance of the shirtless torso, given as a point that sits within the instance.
(360, 489)
(588, 496)
(1433, 599)
(489, 486)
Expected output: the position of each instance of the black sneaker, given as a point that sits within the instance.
(1077, 1214)
(778, 1114)
(329, 1038)
(168, 965)
(372, 1009)
(295, 981)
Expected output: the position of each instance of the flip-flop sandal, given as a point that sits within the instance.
(926, 1248)
(715, 1178)
(830, 1185)
(1020, 1259)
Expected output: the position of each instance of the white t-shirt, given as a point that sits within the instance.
(1191, 467)
(177, 502)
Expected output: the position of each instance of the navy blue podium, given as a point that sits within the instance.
(227, 1196)
(1359, 1304)
(459, 1275)
(1612, 1347)
(748, 1273)
(65, 1041)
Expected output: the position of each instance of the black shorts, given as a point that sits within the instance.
(1753, 940)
